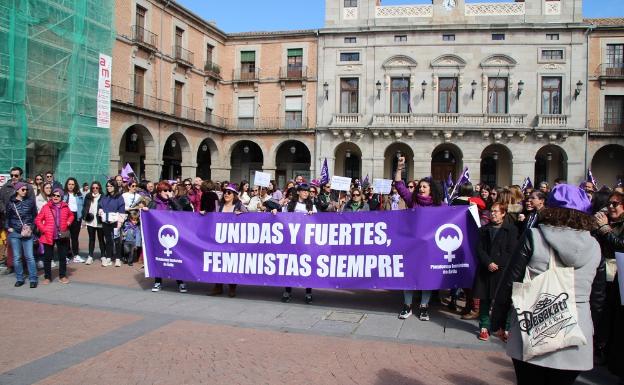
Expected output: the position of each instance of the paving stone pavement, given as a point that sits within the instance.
(107, 327)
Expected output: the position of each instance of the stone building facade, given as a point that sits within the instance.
(606, 99)
(189, 99)
(496, 87)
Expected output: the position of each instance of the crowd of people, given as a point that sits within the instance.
(583, 224)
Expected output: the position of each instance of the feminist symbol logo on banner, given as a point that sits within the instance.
(168, 241)
(449, 243)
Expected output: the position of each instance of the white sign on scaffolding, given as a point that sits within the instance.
(104, 91)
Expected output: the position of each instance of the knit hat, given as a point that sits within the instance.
(232, 187)
(315, 183)
(19, 185)
(58, 191)
(569, 197)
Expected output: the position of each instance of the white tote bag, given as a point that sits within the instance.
(546, 310)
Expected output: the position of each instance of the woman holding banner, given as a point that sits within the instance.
(164, 200)
(303, 204)
(230, 203)
(427, 194)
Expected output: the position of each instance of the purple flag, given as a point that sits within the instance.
(365, 182)
(324, 173)
(449, 180)
(526, 184)
(463, 178)
(126, 171)
(363, 250)
(445, 186)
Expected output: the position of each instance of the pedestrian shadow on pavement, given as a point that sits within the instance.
(464, 379)
(388, 376)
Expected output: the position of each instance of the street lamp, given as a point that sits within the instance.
(447, 154)
(204, 147)
(495, 155)
(348, 154)
(378, 87)
(549, 156)
(423, 86)
(134, 137)
(293, 150)
(326, 90)
(579, 88)
(246, 149)
(520, 88)
(174, 143)
(474, 88)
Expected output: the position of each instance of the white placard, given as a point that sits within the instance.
(619, 260)
(4, 178)
(262, 179)
(340, 183)
(104, 91)
(382, 186)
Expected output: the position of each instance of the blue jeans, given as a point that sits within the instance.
(23, 246)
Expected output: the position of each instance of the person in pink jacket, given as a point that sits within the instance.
(53, 222)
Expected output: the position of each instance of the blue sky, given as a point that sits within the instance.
(278, 15)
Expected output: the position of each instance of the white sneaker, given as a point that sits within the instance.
(89, 260)
(104, 261)
(39, 264)
(117, 263)
(53, 264)
(68, 261)
(78, 259)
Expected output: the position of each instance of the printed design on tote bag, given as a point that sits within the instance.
(546, 318)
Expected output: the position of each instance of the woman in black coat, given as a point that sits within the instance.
(497, 242)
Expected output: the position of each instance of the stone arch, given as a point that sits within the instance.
(446, 158)
(207, 155)
(292, 157)
(391, 155)
(551, 162)
(496, 165)
(498, 60)
(135, 145)
(607, 166)
(399, 61)
(448, 60)
(176, 153)
(246, 157)
(348, 160)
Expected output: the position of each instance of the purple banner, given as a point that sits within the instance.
(424, 248)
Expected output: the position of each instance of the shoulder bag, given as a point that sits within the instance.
(27, 231)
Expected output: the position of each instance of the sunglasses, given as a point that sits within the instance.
(410, 186)
(356, 195)
(187, 184)
(15, 175)
(312, 191)
(328, 187)
(95, 188)
(227, 192)
(132, 186)
(48, 176)
(165, 190)
(23, 189)
(56, 196)
(614, 204)
(39, 179)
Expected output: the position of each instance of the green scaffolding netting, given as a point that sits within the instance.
(49, 52)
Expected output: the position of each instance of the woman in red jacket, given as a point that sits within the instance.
(53, 222)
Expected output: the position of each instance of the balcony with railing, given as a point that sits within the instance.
(341, 120)
(293, 73)
(144, 38)
(606, 126)
(183, 56)
(450, 120)
(552, 120)
(611, 71)
(150, 103)
(267, 123)
(212, 70)
(246, 74)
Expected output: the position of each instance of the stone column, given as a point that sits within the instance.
(114, 166)
(378, 168)
(153, 169)
(189, 170)
(220, 173)
(474, 169)
(521, 169)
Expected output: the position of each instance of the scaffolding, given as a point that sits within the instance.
(49, 52)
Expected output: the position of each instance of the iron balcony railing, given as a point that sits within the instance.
(212, 68)
(266, 123)
(245, 74)
(612, 70)
(147, 102)
(183, 55)
(426, 120)
(293, 72)
(615, 126)
(144, 37)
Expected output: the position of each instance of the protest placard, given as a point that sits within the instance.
(382, 186)
(262, 179)
(340, 183)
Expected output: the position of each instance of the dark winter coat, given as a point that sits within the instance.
(27, 211)
(494, 247)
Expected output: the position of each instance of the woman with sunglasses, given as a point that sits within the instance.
(53, 223)
(131, 197)
(356, 203)
(20, 216)
(426, 193)
(74, 199)
(164, 200)
(93, 221)
(230, 203)
(111, 209)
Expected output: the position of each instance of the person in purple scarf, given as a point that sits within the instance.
(428, 193)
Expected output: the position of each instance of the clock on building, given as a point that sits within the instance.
(449, 4)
